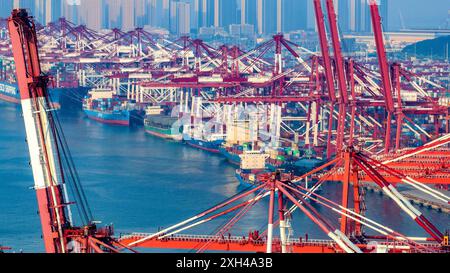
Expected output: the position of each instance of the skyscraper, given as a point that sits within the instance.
(384, 12)
(354, 15)
(5, 8)
(105, 14)
(184, 18)
(143, 12)
(259, 16)
(92, 14)
(114, 15)
(269, 19)
(56, 10)
(25, 4)
(180, 17)
(228, 13)
(250, 12)
(293, 15)
(70, 12)
(344, 12)
(128, 13)
(210, 7)
(195, 15)
(165, 13)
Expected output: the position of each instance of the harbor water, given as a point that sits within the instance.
(140, 183)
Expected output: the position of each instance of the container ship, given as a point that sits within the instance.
(158, 122)
(63, 91)
(105, 107)
(254, 169)
(9, 92)
(202, 139)
(277, 158)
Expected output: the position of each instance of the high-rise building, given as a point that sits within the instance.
(166, 14)
(202, 13)
(228, 12)
(354, 15)
(5, 8)
(56, 10)
(216, 13)
(71, 12)
(143, 12)
(211, 12)
(384, 12)
(293, 15)
(92, 14)
(105, 14)
(184, 18)
(180, 13)
(249, 10)
(259, 16)
(39, 11)
(128, 14)
(114, 18)
(269, 16)
(25, 4)
(279, 16)
(343, 13)
(448, 19)
(195, 15)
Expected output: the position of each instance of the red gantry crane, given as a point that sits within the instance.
(53, 169)
(50, 159)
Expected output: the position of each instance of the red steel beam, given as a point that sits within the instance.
(382, 58)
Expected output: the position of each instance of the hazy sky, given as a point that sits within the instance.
(418, 13)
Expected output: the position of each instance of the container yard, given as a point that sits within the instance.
(322, 134)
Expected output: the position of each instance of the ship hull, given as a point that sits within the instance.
(209, 146)
(109, 118)
(10, 99)
(162, 133)
(232, 158)
(243, 181)
(10, 93)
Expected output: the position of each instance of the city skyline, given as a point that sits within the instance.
(190, 16)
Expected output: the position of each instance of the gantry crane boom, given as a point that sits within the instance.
(340, 71)
(384, 68)
(45, 147)
(320, 21)
(40, 138)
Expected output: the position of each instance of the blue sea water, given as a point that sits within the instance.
(140, 183)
